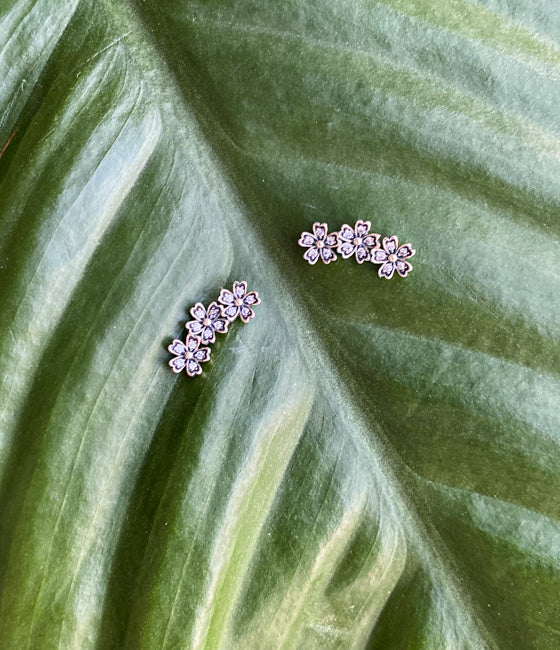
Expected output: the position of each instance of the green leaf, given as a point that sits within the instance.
(366, 463)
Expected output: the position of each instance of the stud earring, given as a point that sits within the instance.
(360, 243)
(206, 322)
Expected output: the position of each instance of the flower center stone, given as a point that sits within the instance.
(207, 322)
(188, 354)
(238, 302)
(319, 243)
(357, 241)
(392, 257)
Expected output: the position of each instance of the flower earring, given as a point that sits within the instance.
(393, 257)
(188, 355)
(206, 322)
(357, 241)
(319, 244)
(360, 243)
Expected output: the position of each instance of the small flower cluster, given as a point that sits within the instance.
(360, 243)
(206, 322)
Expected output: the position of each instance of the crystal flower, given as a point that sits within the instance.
(207, 322)
(238, 302)
(319, 244)
(393, 258)
(357, 241)
(188, 355)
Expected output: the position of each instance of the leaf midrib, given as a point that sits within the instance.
(426, 540)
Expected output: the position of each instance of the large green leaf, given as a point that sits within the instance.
(367, 463)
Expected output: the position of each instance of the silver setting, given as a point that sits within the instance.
(357, 241)
(320, 244)
(239, 302)
(393, 257)
(188, 355)
(207, 321)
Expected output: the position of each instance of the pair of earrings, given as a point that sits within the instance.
(360, 243)
(207, 321)
(356, 242)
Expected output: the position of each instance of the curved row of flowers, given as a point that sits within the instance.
(207, 321)
(359, 242)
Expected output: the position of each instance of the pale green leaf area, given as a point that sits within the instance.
(368, 463)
